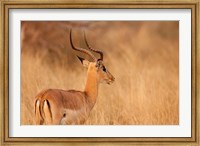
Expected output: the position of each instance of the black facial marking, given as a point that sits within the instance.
(64, 115)
(104, 69)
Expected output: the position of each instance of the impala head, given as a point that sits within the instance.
(96, 65)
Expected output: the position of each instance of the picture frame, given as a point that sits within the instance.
(4, 55)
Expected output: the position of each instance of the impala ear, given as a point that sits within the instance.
(84, 61)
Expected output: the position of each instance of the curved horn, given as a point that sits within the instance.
(81, 49)
(94, 50)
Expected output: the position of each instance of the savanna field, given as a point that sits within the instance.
(142, 56)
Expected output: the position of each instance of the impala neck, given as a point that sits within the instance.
(91, 87)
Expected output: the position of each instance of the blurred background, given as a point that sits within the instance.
(143, 56)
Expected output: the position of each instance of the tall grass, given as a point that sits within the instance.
(142, 56)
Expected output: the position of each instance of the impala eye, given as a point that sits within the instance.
(104, 69)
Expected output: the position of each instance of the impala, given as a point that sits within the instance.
(57, 106)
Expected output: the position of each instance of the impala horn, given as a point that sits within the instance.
(94, 50)
(81, 49)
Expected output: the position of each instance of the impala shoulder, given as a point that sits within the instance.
(77, 93)
(73, 99)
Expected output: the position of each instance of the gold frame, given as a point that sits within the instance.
(183, 4)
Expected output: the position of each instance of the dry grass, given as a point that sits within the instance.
(143, 57)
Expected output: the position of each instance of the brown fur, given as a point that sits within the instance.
(71, 107)
(73, 100)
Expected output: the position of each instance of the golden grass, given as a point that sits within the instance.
(142, 56)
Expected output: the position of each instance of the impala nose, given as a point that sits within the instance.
(113, 79)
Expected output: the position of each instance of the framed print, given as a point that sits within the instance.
(100, 72)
